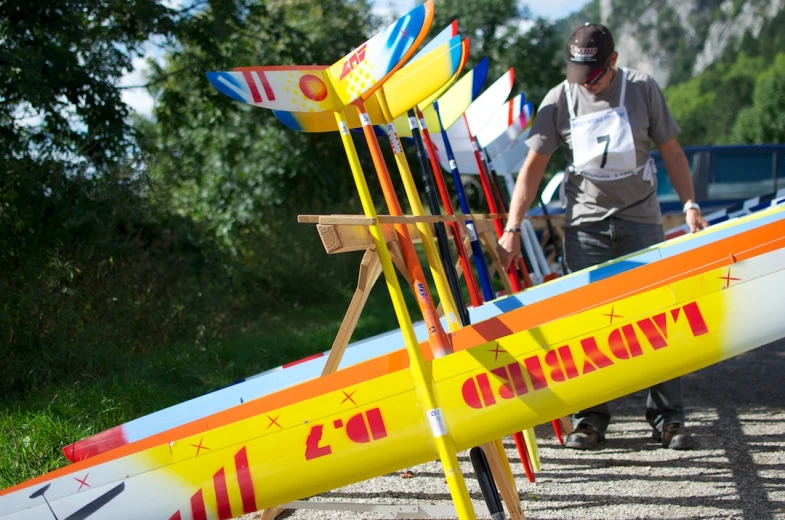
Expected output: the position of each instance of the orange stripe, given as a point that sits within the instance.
(464, 56)
(510, 107)
(436, 335)
(647, 277)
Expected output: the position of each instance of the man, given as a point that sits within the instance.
(605, 118)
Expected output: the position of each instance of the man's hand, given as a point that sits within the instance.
(695, 221)
(509, 248)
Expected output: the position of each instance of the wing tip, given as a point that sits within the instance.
(454, 26)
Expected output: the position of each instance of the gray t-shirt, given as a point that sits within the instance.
(630, 198)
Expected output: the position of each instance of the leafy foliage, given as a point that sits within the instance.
(508, 36)
(764, 121)
(224, 163)
(117, 234)
(695, 104)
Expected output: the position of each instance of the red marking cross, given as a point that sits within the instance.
(728, 278)
(273, 421)
(612, 315)
(82, 482)
(497, 350)
(199, 446)
(349, 397)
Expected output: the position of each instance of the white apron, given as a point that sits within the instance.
(602, 145)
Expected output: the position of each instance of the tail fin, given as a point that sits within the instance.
(454, 102)
(362, 71)
(483, 108)
(506, 115)
(422, 79)
(512, 133)
(328, 89)
(444, 36)
(279, 88)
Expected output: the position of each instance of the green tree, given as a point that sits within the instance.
(491, 25)
(224, 163)
(77, 239)
(706, 107)
(764, 121)
(509, 37)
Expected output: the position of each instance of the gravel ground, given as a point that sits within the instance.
(736, 410)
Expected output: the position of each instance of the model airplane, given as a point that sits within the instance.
(303, 370)
(524, 367)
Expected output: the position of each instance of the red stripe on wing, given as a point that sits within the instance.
(257, 98)
(245, 481)
(303, 360)
(266, 85)
(222, 495)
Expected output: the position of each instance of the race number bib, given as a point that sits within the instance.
(602, 145)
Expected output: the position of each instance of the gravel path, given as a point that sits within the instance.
(736, 409)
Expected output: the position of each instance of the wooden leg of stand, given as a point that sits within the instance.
(370, 270)
(502, 474)
(566, 424)
(271, 514)
(467, 245)
(400, 263)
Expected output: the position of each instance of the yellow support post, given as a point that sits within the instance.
(421, 376)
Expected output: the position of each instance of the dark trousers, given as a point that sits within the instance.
(592, 244)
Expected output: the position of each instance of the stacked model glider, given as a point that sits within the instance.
(661, 319)
(524, 360)
(302, 370)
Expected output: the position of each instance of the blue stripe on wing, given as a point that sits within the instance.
(226, 83)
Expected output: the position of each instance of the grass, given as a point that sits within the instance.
(35, 427)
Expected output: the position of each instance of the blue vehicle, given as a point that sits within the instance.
(723, 176)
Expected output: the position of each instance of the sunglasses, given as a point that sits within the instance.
(597, 74)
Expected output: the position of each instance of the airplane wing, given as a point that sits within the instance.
(713, 303)
(304, 88)
(453, 103)
(508, 137)
(485, 106)
(362, 71)
(407, 87)
(309, 368)
(504, 117)
(328, 89)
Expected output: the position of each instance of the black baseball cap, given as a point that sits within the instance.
(589, 48)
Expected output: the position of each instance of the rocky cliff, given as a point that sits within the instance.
(674, 40)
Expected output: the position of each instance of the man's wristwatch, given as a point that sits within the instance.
(691, 205)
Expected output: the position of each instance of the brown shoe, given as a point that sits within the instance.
(584, 437)
(675, 437)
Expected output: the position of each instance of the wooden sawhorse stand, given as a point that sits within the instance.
(349, 233)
